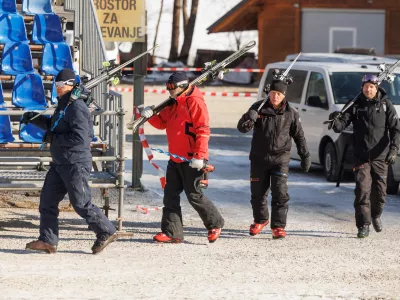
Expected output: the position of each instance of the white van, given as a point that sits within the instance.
(342, 58)
(320, 88)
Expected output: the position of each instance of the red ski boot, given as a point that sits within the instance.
(163, 238)
(278, 233)
(256, 228)
(213, 234)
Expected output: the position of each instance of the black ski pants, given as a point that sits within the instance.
(180, 177)
(263, 178)
(71, 179)
(370, 191)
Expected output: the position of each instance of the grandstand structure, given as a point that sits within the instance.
(32, 51)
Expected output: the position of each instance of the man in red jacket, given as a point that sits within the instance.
(186, 123)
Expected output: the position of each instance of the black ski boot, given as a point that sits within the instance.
(102, 241)
(363, 232)
(377, 223)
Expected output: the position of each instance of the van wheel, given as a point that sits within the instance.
(392, 185)
(331, 165)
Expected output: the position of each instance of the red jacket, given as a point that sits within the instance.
(186, 123)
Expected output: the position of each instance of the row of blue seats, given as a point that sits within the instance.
(45, 29)
(29, 7)
(17, 59)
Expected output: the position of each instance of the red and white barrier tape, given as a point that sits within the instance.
(145, 210)
(217, 94)
(148, 151)
(199, 69)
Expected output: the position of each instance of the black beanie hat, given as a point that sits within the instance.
(179, 78)
(279, 86)
(66, 75)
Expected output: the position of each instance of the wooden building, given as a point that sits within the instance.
(289, 26)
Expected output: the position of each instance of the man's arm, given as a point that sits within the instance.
(247, 121)
(393, 125)
(297, 133)
(159, 121)
(199, 113)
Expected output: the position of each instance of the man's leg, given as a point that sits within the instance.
(378, 192)
(280, 196)
(171, 222)
(259, 186)
(362, 195)
(207, 211)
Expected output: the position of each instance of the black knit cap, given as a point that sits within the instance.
(178, 77)
(279, 86)
(66, 75)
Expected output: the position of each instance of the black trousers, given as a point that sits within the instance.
(263, 178)
(71, 179)
(370, 191)
(180, 177)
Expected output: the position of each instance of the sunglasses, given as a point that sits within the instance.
(69, 82)
(172, 85)
(370, 78)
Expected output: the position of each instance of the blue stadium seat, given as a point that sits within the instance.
(16, 59)
(30, 133)
(47, 29)
(56, 57)
(33, 7)
(53, 99)
(28, 91)
(8, 7)
(5, 129)
(12, 29)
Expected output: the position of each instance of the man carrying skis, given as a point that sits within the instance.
(376, 139)
(188, 133)
(273, 127)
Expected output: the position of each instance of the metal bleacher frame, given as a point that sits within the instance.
(23, 166)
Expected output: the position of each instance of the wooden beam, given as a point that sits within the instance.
(32, 47)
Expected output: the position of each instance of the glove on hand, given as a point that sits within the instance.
(391, 156)
(305, 164)
(252, 115)
(334, 115)
(48, 137)
(147, 112)
(26, 117)
(197, 164)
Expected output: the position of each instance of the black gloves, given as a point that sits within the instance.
(48, 137)
(391, 156)
(251, 115)
(305, 163)
(26, 117)
(334, 115)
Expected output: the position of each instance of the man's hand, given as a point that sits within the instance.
(197, 164)
(391, 156)
(305, 163)
(251, 115)
(147, 112)
(26, 117)
(48, 137)
(334, 115)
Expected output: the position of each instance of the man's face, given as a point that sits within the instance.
(276, 98)
(369, 90)
(175, 92)
(63, 87)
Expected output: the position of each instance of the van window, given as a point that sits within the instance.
(347, 85)
(316, 92)
(295, 90)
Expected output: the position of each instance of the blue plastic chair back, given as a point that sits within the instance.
(28, 91)
(16, 59)
(5, 129)
(8, 7)
(12, 29)
(33, 7)
(56, 57)
(47, 29)
(31, 133)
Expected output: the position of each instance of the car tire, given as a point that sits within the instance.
(392, 185)
(330, 163)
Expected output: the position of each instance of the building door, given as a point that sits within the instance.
(325, 30)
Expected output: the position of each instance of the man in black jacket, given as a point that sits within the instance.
(376, 139)
(274, 127)
(69, 132)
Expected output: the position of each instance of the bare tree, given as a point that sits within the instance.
(156, 33)
(187, 42)
(238, 39)
(173, 53)
(184, 15)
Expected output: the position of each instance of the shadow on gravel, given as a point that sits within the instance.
(324, 234)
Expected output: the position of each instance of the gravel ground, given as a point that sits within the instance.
(321, 258)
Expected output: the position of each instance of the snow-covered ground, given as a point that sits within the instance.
(321, 258)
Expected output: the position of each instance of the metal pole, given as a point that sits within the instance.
(140, 69)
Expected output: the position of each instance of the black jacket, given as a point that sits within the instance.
(375, 127)
(72, 135)
(273, 132)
